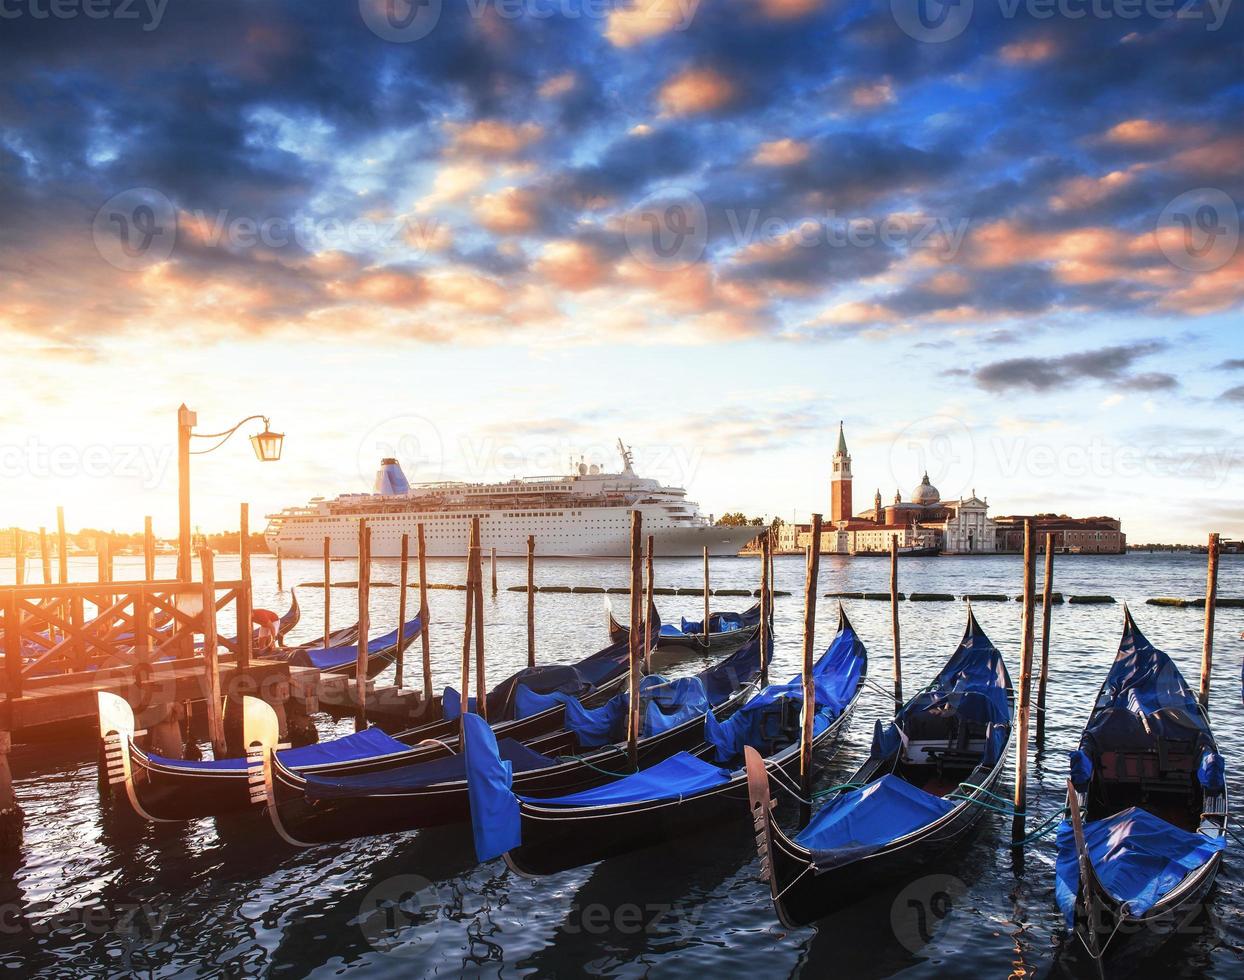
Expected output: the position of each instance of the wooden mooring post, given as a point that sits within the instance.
(148, 550)
(648, 611)
(764, 611)
(469, 619)
(45, 556)
(360, 657)
(481, 684)
(62, 547)
(1023, 709)
(494, 571)
(19, 557)
(1047, 596)
(808, 715)
(531, 600)
(280, 574)
(894, 626)
(707, 592)
(1211, 598)
(211, 655)
(424, 616)
(244, 541)
(328, 590)
(403, 571)
(633, 651)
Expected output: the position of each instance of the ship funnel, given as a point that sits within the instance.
(390, 479)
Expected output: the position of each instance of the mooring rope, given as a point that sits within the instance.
(583, 759)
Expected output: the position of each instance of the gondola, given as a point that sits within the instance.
(163, 789)
(725, 630)
(1148, 809)
(381, 652)
(309, 809)
(695, 789)
(915, 796)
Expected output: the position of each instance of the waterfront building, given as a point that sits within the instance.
(1077, 535)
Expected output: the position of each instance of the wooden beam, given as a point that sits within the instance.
(1211, 598)
(360, 656)
(148, 550)
(531, 600)
(45, 556)
(468, 619)
(1025, 686)
(648, 608)
(809, 656)
(764, 611)
(211, 662)
(328, 589)
(707, 614)
(898, 648)
(1047, 594)
(62, 547)
(19, 557)
(632, 714)
(424, 616)
(403, 570)
(481, 683)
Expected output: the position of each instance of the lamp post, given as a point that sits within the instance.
(267, 446)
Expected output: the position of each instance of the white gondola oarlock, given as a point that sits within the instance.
(261, 730)
(117, 730)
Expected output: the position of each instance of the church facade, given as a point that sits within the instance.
(925, 522)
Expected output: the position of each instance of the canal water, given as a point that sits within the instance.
(99, 893)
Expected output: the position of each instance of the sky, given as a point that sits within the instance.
(998, 240)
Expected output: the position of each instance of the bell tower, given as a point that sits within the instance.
(840, 486)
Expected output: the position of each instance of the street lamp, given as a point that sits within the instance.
(267, 446)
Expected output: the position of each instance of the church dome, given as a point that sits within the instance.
(926, 494)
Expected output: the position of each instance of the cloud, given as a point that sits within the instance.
(509, 211)
(781, 153)
(1234, 395)
(694, 91)
(1029, 52)
(492, 137)
(1049, 373)
(1231, 364)
(872, 95)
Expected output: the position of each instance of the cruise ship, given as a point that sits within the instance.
(586, 514)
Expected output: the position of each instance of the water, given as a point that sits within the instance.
(99, 893)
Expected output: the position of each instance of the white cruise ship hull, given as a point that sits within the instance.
(597, 533)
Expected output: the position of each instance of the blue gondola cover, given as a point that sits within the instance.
(678, 776)
(855, 824)
(361, 745)
(1081, 769)
(1138, 857)
(495, 821)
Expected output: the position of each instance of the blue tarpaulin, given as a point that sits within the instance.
(361, 745)
(857, 823)
(446, 769)
(1211, 773)
(1081, 769)
(327, 658)
(494, 809)
(1138, 857)
(664, 704)
(835, 678)
(678, 776)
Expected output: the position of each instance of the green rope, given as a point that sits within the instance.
(1044, 828)
(583, 759)
(981, 789)
(1005, 811)
(820, 793)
